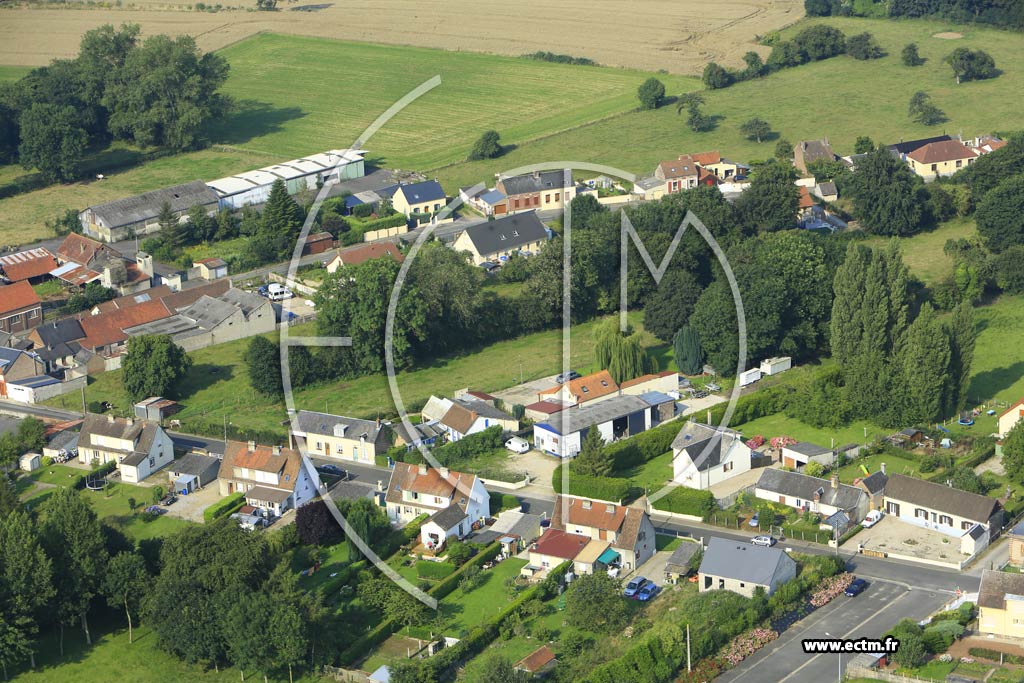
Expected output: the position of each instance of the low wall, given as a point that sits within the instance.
(910, 558)
(506, 484)
(672, 516)
(293, 285)
(618, 199)
(374, 235)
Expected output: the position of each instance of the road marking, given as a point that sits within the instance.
(906, 585)
(847, 634)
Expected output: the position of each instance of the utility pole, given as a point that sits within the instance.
(84, 411)
(688, 666)
(225, 432)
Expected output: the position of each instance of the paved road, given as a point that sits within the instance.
(868, 615)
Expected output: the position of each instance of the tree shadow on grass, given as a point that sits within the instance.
(986, 385)
(204, 376)
(250, 119)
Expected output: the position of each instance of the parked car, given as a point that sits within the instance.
(278, 292)
(331, 469)
(872, 518)
(765, 541)
(634, 585)
(489, 266)
(567, 377)
(169, 499)
(647, 591)
(755, 520)
(263, 291)
(156, 510)
(517, 445)
(856, 588)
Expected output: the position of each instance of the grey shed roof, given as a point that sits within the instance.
(483, 409)
(531, 182)
(809, 449)
(679, 561)
(801, 486)
(743, 561)
(581, 417)
(946, 499)
(247, 301)
(147, 205)
(195, 463)
(326, 424)
(827, 188)
(427, 191)
(507, 234)
(976, 531)
(995, 585)
(695, 438)
(449, 517)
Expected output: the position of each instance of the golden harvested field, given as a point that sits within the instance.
(680, 36)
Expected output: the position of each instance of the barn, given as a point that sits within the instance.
(299, 175)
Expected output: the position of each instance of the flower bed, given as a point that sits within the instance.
(831, 588)
(747, 644)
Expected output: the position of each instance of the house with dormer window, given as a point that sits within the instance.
(272, 478)
(627, 530)
(498, 239)
(454, 501)
(341, 438)
(139, 447)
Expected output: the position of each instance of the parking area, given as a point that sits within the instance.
(692, 406)
(890, 535)
(191, 507)
(526, 393)
(653, 569)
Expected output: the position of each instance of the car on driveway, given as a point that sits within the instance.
(331, 469)
(169, 499)
(765, 541)
(517, 445)
(856, 588)
(872, 518)
(647, 591)
(567, 377)
(634, 585)
(755, 520)
(156, 510)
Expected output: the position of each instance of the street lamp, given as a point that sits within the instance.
(840, 669)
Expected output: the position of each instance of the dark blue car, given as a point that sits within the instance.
(856, 588)
(647, 591)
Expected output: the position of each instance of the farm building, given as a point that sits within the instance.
(299, 175)
(156, 408)
(33, 265)
(20, 308)
(616, 418)
(122, 218)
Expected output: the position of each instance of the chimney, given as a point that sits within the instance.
(276, 450)
(835, 480)
(252, 445)
(423, 468)
(144, 262)
(110, 418)
(883, 468)
(445, 472)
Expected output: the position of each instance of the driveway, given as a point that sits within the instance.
(893, 536)
(526, 393)
(692, 406)
(191, 507)
(653, 569)
(868, 615)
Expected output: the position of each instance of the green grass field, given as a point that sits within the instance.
(13, 73)
(218, 385)
(298, 95)
(923, 253)
(782, 425)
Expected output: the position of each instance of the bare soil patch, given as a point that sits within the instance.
(680, 36)
(948, 35)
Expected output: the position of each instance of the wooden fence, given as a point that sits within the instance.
(345, 675)
(855, 671)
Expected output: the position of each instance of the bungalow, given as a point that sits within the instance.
(192, 472)
(627, 530)
(703, 456)
(273, 479)
(803, 452)
(742, 567)
(718, 165)
(575, 392)
(425, 197)
(943, 158)
(343, 438)
(363, 253)
(466, 417)
(538, 662)
(680, 562)
(942, 508)
(1010, 417)
(1001, 604)
(33, 265)
(806, 152)
(498, 239)
(901, 149)
(538, 190)
(415, 490)
(616, 418)
(140, 215)
(20, 307)
(552, 549)
(811, 494)
(874, 486)
(139, 447)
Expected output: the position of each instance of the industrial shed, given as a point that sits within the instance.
(299, 175)
(120, 219)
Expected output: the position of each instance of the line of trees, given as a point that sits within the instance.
(157, 92)
(997, 12)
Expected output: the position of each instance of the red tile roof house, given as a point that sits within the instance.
(357, 255)
(415, 490)
(552, 549)
(20, 308)
(274, 479)
(627, 529)
(33, 265)
(582, 389)
(538, 662)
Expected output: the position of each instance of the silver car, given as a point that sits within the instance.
(766, 541)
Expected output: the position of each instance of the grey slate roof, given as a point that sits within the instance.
(448, 518)
(875, 482)
(976, 531)
(352, 490)
(816, 150)
(827, 188)
(195, 463)
(483, 409)
(743, 561)
(147, 205)
(809, 449)
(311, 422)
(581, 417)
(695, 438)
(946, 499)
(801, 486)
(60, 332)
(427, 191)
(995, 585)
(528, 182)
(141, 432)
(507, 234)
(679, 561)
(910, 145)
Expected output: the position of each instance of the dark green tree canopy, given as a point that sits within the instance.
(910, 56)
(52, 141)
(888, 199)
(716, 76)
(864, 46)
(154, 366)
(771, 201)
(756, 129)
(488, 146)
(651, 93)
(1000, 215)
(971, 65)
(263, 360)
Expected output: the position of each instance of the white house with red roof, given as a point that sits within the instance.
(454, 501)
(1010, 417)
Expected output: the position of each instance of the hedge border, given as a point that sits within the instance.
(225, 506)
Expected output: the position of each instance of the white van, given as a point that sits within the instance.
(278, 292)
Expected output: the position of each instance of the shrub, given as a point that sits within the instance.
(434, 571)
(362, 210)
(225, 506)
(639, 449)
(687, 501)
(612, 489)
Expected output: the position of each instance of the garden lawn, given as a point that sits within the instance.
(924, 254)
(294, 96)
(462, 611)
(332, 559)
(998, 359)
(782, 425)
(651, 475)
(224, 249)
(893, 465)
(217, 386)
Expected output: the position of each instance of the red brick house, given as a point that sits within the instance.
(20, 308)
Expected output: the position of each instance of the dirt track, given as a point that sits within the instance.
(680, 36)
